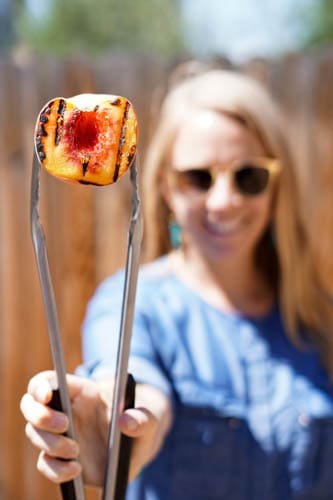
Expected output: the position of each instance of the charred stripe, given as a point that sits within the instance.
(40, 149)
(48, 108)
(40, 142)
(116, 102)
(60, 121)
(43, 117)
(131, 155)
(42, 130)
(41, 155)
(121, 142)
(85, 164)
(81, 181)
(62, 106)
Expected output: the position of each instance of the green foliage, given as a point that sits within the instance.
(94, 26)
(6, 25)
(320, 23)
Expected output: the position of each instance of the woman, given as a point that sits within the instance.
(227, 405)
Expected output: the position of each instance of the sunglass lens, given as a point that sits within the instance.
(197, 179)
(252, 180)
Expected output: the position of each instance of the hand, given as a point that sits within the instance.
(91, 412)
(45, 427)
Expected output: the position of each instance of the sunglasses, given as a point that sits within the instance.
(250, 178)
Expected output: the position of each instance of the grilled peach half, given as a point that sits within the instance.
(87, 139)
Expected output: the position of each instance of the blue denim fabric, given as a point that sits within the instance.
(253, 414)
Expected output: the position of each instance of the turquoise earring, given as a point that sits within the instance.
(175, 233)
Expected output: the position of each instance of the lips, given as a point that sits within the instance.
(224, 227)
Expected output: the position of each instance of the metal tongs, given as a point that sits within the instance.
(116, 474)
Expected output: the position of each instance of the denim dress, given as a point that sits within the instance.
(253, 413)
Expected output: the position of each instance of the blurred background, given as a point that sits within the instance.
(52, 48)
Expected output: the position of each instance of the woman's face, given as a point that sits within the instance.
(221, 222)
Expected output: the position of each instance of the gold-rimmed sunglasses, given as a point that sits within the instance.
(250, 178)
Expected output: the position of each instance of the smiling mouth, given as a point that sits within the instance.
(224, 228)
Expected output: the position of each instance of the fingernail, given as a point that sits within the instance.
(130, 423)
(74, 449)
(59, 421)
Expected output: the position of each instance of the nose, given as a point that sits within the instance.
(222, 194)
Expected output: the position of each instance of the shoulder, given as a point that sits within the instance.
(155, 281)
(156, 271)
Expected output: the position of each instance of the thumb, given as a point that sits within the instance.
(136, 422)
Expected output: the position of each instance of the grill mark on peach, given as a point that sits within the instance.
(44, 118)
(82, 181)
(42, 132)
(85, 164)
(116, 102)
(131, 155)
(48, 108)
(40, 149)
(60, 121)
(121, 142)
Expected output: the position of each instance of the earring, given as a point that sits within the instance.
(175, 233)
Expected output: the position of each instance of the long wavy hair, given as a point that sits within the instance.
(282, 251)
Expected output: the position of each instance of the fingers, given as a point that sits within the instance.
(44, 430)
(34, 404)
(42, 385)
(56, 470)
(53, 445)
(43, 417)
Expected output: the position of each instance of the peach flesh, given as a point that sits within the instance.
(84, 130)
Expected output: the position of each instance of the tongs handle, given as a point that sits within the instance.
(125, 444)
(67, 488)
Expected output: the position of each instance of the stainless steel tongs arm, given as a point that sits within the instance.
(127, 312)
(39, 244)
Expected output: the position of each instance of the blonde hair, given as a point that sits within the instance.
(234, 93)
(307, 286)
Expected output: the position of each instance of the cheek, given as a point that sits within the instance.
(263, 209)
(184, 209)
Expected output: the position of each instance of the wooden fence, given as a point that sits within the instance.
(85, 227)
